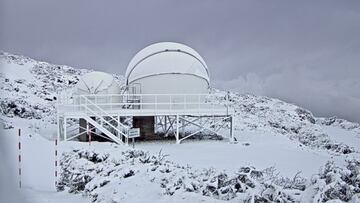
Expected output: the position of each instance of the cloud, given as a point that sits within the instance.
(304, 87)
(250, 83)
(306, 52)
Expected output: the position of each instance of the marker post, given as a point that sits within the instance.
(56, 162)
(19, 156)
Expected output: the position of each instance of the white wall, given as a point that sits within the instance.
(172, 84)
(114, 88)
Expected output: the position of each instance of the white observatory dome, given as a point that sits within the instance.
(97, 83)
(169, 68)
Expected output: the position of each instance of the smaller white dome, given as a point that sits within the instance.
(97, 83)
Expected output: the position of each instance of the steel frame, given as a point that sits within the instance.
(171, 117)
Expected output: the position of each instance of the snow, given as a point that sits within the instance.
(263, 151)
(37, 169)
(340, 135)
(38, 185)
(12, 70)
(153, 60)
(269, 132)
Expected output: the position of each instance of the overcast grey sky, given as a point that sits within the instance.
(305, 52)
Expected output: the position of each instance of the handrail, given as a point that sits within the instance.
(161, 94)
(93, 133)
(62, 97)
(156, 102)
(124, 134)
(106, 114)
(118, 103)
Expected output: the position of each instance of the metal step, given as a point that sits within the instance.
(103, 130)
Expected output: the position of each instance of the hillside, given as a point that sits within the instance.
(275, 141)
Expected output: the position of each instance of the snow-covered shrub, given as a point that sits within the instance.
(266, 114)
(327, 121)
(296, 182)
(86, 171)
(337, 183)
(6, 124)
(222, 186)
(22, 109)
(314, 138)
(305, 115)
(339, 148)
(271, 193)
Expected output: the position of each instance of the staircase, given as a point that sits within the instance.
(94, 110)
(103, 130)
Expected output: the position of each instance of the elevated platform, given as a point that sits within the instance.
(148, 112)
(103, 107)
(142, 105)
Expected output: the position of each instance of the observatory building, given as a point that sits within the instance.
(97, 83)
(94, 83)
(166, 90)
(168, 68)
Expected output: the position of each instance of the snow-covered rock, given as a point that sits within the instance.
(263, 114)
(29, 88)
(92, 172)
(337, 183)
(29, 91)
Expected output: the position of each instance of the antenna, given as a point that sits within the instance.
(97, 87)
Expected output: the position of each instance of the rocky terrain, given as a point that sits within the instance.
(29, 91)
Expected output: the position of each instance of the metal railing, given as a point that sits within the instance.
(89, 108)
(154, 102)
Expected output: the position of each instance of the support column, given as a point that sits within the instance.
(232, 129)
(213, 124)
(182, 128)
(65, 129)
(118, 127)
(201, 122)
(177, 129)
(156, 124)
(93, 129)
(88, 132)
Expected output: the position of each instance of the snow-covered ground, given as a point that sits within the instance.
(37, 165)
(272, 136)
(263, 151)
(340, 135)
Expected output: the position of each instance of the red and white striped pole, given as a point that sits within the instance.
(19, 157)
(56, 162)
